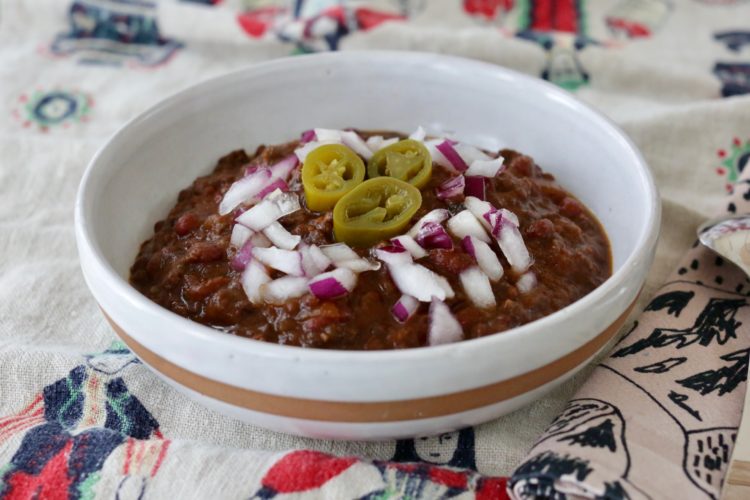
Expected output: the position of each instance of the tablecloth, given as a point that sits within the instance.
(80, 417)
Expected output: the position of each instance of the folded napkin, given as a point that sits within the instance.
(658, 418)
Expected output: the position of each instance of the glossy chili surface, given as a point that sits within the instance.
(184, 266)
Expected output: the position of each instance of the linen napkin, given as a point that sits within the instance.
(658, 418)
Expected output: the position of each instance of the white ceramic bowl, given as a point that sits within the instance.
(134, 179)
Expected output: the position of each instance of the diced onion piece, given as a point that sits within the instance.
(314, 261)
(486, 168)
(433, 235)
(404, 308)
(465, 224)
(393, 255)
(374, 142)
(420, 282)
(450, 154)
(389, 142)
(240, 234)
(526, 282)
(282, 289)
(451, 188)
(507, 214)
(272, 208)
(333, 284)
(476, 186)
(304, 150)
(280, 237)
(243, 256)
(477, 287)
(320, 259)
(282, 169)
(436, 155)
(419, 134)
(260, 216)
(244, 189)
(358, 265)
(279, 184)
(327, 134)
(286, 261)
(411, 245)
(438, 215)
(307, 136)
(353, 141)
(470, 154)
(254, 276)
(479, 208)
(288, 203)
(444, 327)
(509, 238)
(484, 255)
(339, 252)
(259, 240)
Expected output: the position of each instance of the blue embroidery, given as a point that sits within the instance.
(101, 34)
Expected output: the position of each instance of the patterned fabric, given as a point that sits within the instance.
(659, 417)
(81, 417)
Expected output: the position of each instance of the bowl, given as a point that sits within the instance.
(135, 177)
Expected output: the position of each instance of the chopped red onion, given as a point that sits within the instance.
(404, 308)
(420, 282)
(389, 142)
(244, 189)
(287, 202)
(374, 142)
(526, 282)
(509, 239)
(470, 153)
(465, 224)
(419, 134)
(393, 255)
(279, 184)
(253, 277)
(333, 284)
(282, 169)
(444, 327)
(243, 256)
(450, 154)
(358, 265)
(286, 261)
(240, 234)
(486, 168)
(307, 136)
(436, 155)
(433, 235)
(280, 237)
(353, 141)
(451, 188)
(477, 287)
(304, 150)
(314, 261)
(251, 169)
(339, 252)
(272, 208)
(479, 208)
(438, 215)
(476, 186)
(261, 215)
(484, 255)
(328, 135)
(282, 289)
(411, 245)
(259, 240)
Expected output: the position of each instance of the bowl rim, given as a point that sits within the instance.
(202, 333)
